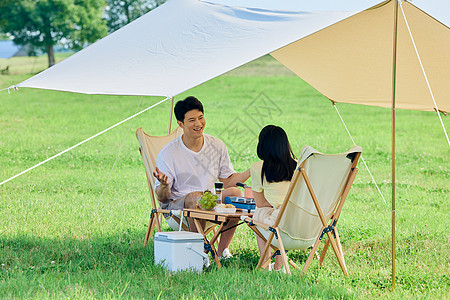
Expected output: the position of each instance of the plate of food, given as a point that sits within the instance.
(225, 208)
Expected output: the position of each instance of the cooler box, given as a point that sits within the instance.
(179, 250)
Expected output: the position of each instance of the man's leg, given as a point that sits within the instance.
(190, 201)
(225, 237)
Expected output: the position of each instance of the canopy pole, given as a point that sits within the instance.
(171, 113)
(394, 75)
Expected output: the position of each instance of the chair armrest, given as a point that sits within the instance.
(251, 221)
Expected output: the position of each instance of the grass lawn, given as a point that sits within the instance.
(74, 227)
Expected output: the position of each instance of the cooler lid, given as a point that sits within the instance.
(178, 236)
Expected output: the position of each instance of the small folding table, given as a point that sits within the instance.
(220, 218)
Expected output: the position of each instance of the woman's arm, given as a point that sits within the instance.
(260, 200)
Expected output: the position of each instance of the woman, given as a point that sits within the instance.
(271, 178)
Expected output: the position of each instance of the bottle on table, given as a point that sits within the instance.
(218, 187)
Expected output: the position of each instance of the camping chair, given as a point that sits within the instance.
(149, 148)
(311, 208)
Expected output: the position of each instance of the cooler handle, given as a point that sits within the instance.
(202, 254)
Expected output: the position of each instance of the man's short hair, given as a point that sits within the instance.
(188, 104)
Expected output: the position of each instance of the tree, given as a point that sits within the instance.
(44, 23)
(3, 8)
(121, 12)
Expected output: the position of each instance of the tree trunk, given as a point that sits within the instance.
(126, 7)
(51, 56)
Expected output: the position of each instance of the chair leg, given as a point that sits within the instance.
(261, 263)
(283, 253)
(266, 263)
(158, 222)
(151, 226)
(293, 264)
(311, 256)
(338, 242)
(325, 248)
(338, 254)
(266, 250)
(324, 252)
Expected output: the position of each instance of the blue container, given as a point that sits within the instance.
(241, 202)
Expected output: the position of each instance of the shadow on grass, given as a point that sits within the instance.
(125, 251)
(40, 254)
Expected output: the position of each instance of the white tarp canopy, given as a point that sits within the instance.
(346, 55)
(342, 48)
(179, 45)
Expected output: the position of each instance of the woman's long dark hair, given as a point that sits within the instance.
(275, 151)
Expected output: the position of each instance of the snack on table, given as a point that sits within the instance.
(225, 205)
(225, 208)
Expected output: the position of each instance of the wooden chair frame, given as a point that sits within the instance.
(328, 226)
(156, 213)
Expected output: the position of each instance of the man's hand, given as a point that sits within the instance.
(163, 190)
(161, 177)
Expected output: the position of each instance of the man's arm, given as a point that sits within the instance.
(235, 178)
(163, 189)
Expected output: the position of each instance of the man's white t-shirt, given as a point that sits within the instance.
(190, 171)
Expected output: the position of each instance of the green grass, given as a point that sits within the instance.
(28, 65)
(66, 233)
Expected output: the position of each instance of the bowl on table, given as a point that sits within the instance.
(225, 209)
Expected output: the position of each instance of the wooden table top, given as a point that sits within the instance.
(212, 215)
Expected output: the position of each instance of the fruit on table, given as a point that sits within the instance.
(208, 200)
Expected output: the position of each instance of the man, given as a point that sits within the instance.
(192, 163)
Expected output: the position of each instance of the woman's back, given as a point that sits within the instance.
(274, 192)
